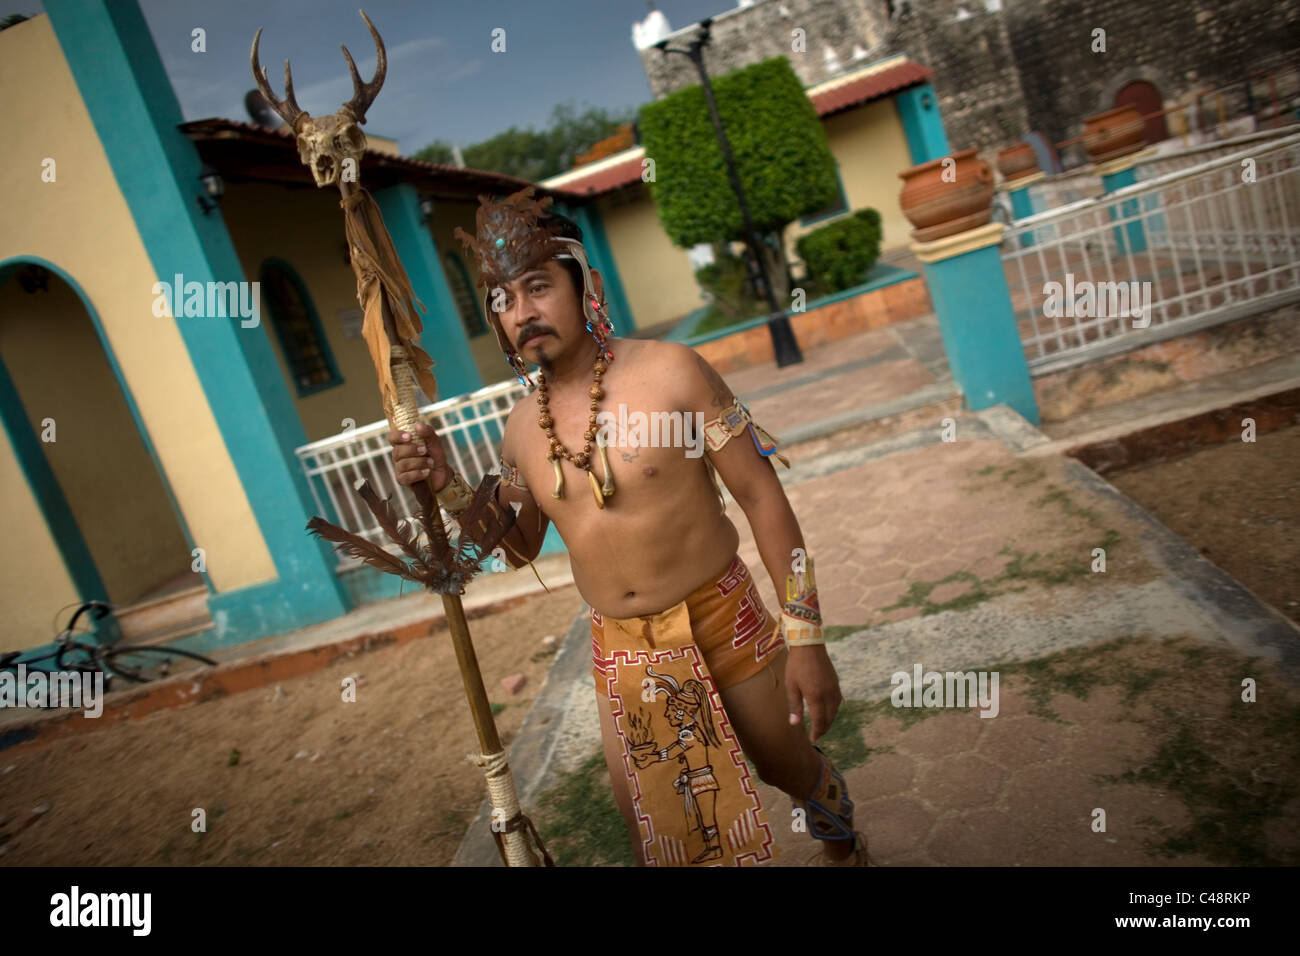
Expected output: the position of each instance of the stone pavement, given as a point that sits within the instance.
(973, 555)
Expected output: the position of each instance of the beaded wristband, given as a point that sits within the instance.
(801, 616)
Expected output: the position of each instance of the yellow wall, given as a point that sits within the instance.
(34, 581)
(305, 229)
(98, 458)
(871, 151)
(658, 277)
(81, 223)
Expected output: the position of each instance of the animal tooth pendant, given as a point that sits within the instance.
(559, 478)
(596, 490)
(608, 488)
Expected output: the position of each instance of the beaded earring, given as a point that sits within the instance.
(519, 368)
(604, 330)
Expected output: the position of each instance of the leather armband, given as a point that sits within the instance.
(732, 421)
(801, 616)
(510, 476)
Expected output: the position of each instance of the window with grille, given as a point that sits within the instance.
(306, 352)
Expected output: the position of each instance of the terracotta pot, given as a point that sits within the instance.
(1017, 162)
(938, 208)
(1114, 133)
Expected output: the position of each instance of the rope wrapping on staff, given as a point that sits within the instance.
(512, 844)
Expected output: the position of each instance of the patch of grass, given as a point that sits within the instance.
(582, 825)
(837, 632)
(497, 708)
(910, 716)
(1233, 764)
(1075, 671)
(1028, 472)
(843, 742)
(1137, 681)
(1059, 496)
(1231, 793)
(1022, 567)
(452, 821)
(233, 759)
(918, 595)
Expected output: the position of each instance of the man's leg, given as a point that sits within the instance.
(781, 752)
(617, 776)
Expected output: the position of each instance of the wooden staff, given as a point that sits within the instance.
(331, 147)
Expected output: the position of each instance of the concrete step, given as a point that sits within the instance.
(1195, 408)
(167, 617)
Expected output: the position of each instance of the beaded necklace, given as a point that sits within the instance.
(582, 460)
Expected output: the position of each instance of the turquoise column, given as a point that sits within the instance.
(918, 108)
(1116, 175)
(976, 319)
(443, 336)
(135, 113)
(601, 258)
(1022, 203)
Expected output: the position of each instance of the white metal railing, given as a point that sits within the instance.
(1064, 189)
(471, 427)
(1198, 154)
(1075, 185)
(1204, 245)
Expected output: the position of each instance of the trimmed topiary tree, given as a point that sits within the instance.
(783, 159)
(839, 254)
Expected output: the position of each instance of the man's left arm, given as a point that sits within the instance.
(752, 480)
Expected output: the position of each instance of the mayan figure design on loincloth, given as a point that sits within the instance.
(692, 793)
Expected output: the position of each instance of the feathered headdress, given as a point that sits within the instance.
(512, 239)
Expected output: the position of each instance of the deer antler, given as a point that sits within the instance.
(288, 107)
(363, 94)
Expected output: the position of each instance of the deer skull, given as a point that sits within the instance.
(326, 144)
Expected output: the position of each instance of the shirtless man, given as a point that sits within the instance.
(666, 502)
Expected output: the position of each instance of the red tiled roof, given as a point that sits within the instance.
(853, 92)
(234, 145)
(609, 177)
(870, 87)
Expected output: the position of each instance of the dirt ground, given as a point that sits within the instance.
(289, 774)
(1239, 504)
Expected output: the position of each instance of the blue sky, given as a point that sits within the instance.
(444, 80)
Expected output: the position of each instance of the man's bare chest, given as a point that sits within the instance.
(654, 449)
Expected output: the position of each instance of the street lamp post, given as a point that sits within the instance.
(784, 345)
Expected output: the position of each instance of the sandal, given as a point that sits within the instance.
(858, 857)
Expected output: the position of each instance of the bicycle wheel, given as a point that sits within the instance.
(11, 660)
(142, 664)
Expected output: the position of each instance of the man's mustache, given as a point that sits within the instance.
(532, 331)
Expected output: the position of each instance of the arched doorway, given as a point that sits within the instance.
(1146, 98)
(79, 440)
